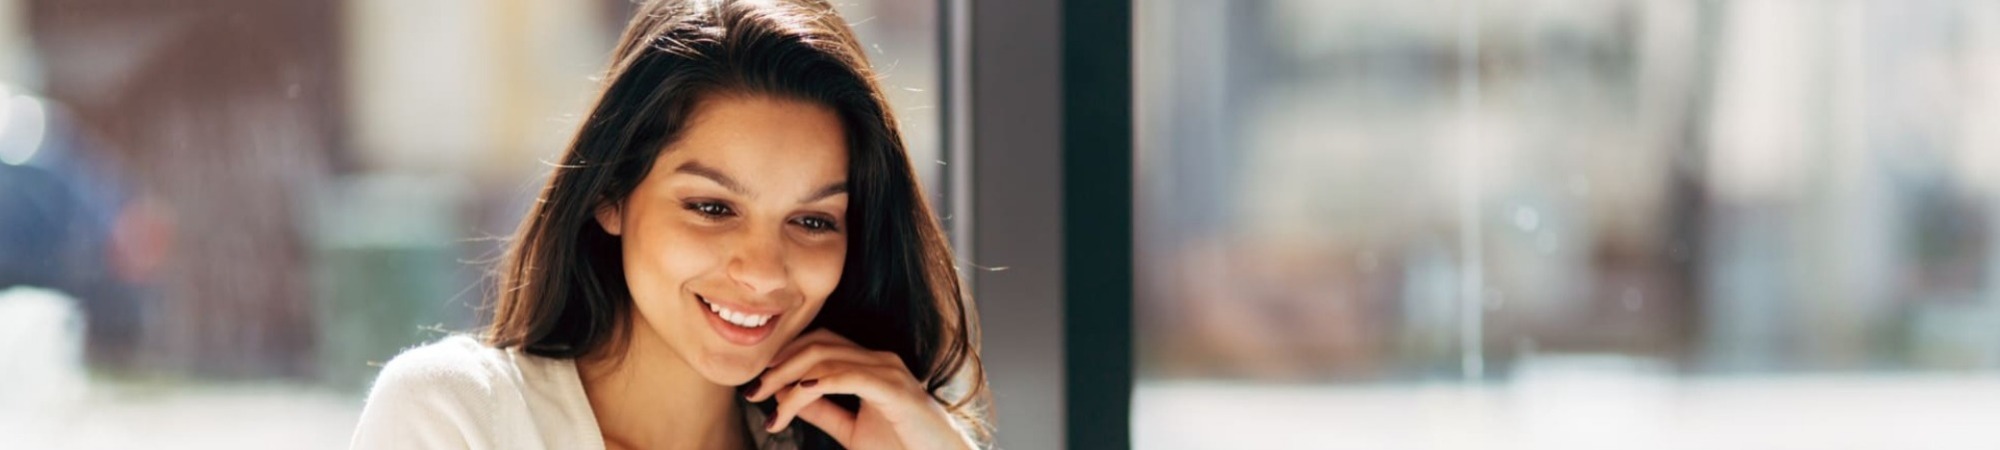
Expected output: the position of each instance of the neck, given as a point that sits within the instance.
(648, 397)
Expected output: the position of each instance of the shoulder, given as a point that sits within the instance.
(442, 394)
(453, 365)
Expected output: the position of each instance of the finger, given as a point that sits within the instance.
(813, 356)
(874, 384)
(887, 390)
(831, 418)
(751, 389)
(794, 398)
(785, 373)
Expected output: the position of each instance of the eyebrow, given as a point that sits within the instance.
(831, 189)
(696, 168)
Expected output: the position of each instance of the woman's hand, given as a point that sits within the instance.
(896, 412)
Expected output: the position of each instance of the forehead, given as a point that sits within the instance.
(762, 140)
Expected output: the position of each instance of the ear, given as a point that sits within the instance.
(609, 218)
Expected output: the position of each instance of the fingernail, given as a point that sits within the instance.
(809, 383)
(750, 389)
(769, 421)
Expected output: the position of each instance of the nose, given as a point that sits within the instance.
(759, 263)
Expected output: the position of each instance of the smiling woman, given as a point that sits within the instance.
(735, 239)
(746, 230)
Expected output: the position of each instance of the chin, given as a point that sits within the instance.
(730, 368)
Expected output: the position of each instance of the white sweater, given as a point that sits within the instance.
(460, 394)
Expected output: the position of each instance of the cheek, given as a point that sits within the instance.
(817, 271)
(660, 258)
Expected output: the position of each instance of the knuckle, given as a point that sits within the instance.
(811, 352)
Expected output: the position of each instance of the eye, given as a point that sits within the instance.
(816, 224)
(709, 209)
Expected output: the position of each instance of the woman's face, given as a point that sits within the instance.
(737, 235)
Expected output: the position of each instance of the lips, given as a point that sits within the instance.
(738, 324)
(738, 318)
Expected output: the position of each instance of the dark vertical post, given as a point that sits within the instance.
(1097, 221)
(1046, 114)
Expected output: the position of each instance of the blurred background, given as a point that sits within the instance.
(218, 217)
(1570, 224)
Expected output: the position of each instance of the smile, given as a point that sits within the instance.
(738, 318)
(740, 325)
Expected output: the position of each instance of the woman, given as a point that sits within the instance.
(733, 254)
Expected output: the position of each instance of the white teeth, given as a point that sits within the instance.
(744, 320)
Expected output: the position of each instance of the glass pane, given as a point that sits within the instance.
(218, 217)
(1567, 224)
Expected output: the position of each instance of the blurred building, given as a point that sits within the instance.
(1359, 190)
(311, 186)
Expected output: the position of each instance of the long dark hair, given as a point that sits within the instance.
(562, 290)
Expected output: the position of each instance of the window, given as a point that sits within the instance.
(1566, 224)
